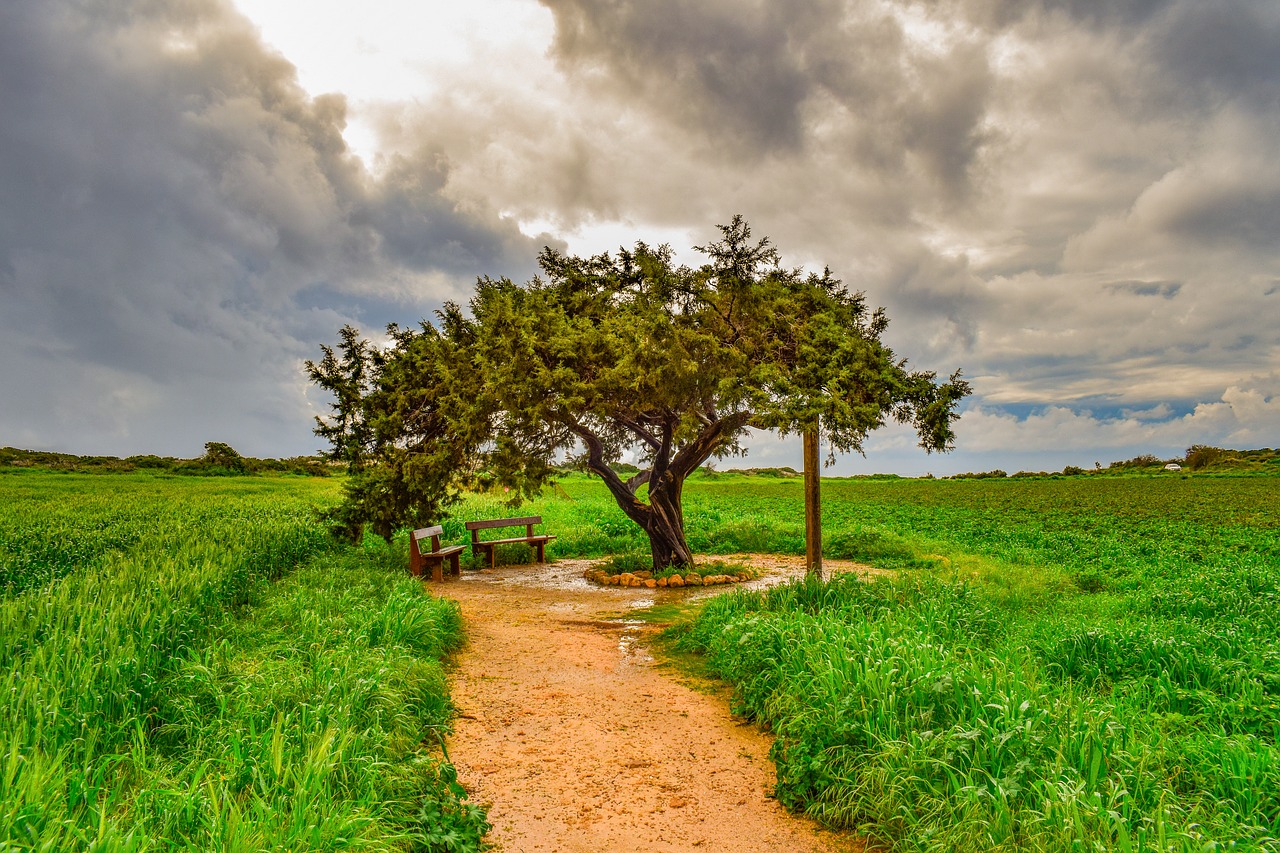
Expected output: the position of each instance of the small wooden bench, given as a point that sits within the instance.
(419, 559)
(538, 541)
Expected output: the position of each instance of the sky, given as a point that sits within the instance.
(1076, 203)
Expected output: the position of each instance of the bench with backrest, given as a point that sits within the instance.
(537, 540)
(420, 559)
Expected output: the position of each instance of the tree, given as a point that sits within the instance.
(603, 355)
(218, 454)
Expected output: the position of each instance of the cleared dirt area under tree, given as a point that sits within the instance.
(578, 741)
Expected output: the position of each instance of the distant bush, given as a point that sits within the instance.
(150, 461)
(997, 474)
(1146, 460)
(1072, 471)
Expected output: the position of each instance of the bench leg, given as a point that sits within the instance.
(455, 565)
(541, 549)
(437, 569)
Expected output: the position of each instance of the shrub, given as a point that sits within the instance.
(1146, 460)
(1202, 456)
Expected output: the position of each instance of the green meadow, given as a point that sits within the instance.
(190, 664)
(1086, 663)
(1075, 663)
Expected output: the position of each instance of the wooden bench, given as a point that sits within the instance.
(538, 541)
(419, 560)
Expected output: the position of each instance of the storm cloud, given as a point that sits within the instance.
(168, 193)
(1075, 202)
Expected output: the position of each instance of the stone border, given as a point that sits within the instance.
(645, 579)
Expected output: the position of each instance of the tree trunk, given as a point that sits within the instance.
(665, 524)
(663, 517)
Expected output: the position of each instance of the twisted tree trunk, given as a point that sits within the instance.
(663, 517)
(666, 525)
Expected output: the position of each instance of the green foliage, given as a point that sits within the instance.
(1202, 456)
(161, 691)
(318, 715)
(605, 354)
(641, 565)
(220, 455)
(1146, 460)
(633, 563)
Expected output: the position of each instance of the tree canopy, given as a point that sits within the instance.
(613, 354)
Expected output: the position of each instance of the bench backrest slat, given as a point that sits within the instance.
(424, 532)
(504, 522)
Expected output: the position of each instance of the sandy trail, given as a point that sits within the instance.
(578, 742)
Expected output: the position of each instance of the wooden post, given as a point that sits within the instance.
(812, 504)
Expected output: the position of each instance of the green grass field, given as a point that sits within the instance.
(192, 665)
(1087, 663)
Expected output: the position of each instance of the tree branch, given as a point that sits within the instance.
(708, 442)
(642, 433)
(662, 455)
(622, 493)
(638, 480)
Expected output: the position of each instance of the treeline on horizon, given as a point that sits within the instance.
(221, 459)
(1200, 458)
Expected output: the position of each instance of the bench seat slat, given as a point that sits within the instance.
(538, 538)
(490, 549)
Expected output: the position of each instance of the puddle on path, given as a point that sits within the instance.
(628, 642)
(562, 588)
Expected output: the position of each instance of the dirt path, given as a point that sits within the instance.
(578, 742)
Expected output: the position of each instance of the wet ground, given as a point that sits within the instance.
(580, 741)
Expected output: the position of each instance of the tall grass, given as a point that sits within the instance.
(82, 668)
(929, 714)
(173, 692)
(315, 722)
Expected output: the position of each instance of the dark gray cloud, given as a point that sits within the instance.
(168, 190)
(756, 79)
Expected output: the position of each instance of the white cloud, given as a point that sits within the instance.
(1241, 418)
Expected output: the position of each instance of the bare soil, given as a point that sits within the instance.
(578, 740)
